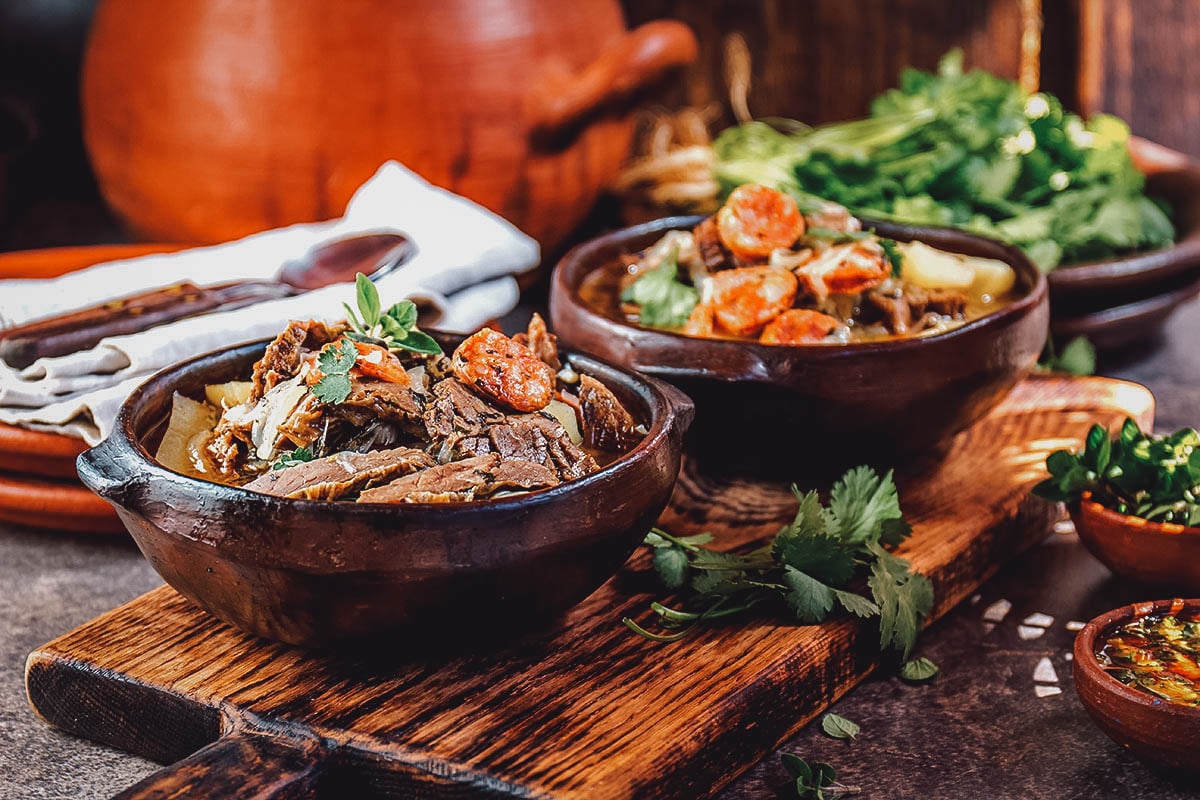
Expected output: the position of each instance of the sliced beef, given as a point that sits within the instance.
(712, 250)
(472, 478)
(456, 412)
(542, 342)
(607, 425)
(536, 437)
(376, 413)
(284, 355)
(339, 475)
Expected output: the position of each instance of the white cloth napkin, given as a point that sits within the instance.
(464, 266)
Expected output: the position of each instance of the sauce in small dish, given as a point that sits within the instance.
(1158, 654)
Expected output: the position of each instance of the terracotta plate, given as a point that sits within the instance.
(1096, 285)
(27, 457)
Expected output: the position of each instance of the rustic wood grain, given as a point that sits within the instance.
(823, 60)
(1135, 61)
(587, 710)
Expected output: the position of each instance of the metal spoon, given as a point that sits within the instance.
(373, 254)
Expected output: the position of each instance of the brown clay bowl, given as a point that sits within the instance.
(1160, 553)
(765, 408)
(1151, 728)
(308, 572)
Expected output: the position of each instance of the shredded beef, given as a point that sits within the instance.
(455, 411)
(607, 425)
(469, 479)
(543, 343)
(712, 250)
(283, 356)
(535, 437)
(902, 309)
(340, 475)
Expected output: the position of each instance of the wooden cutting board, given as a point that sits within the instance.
(586, 711)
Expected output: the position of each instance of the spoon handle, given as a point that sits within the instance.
(80, 330)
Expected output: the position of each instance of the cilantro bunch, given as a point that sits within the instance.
(1155, 477)
(807, 568)
(968, 150)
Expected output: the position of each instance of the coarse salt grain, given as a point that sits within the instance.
(1075, 625)
(1028, 632)
(1044, 672)
(997, 611)
(1040, 620)
(1046, 691)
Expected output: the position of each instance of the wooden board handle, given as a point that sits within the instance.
(633, 62)
(247, 766)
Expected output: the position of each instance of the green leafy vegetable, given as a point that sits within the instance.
(396, 329)
(817, 780)
(1078, 357)
(335, 362)
(662, 300)
(812, 566)
(919, 670)
(292, 458)
(839, 727)
(1154, 477)
(970, 150)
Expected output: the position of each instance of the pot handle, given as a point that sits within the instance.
(248, 766)
(631, 63)
(100, 469)
(678, 404)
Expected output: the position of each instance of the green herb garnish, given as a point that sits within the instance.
(919, 670)
(970, 150)
(292, 458)
(839, 727)
(805, 568)
(662, 300)
(1078, 357)
(335, 362)
(396, 329)
(1154, 477)
(817, 780)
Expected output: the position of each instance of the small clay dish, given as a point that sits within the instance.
(1154, 729)
(311, 572)
(1160, 553)
(786, 409)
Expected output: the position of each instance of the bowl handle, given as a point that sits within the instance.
(561, 100)
(680, 407)
(240, 764)
(100, 469)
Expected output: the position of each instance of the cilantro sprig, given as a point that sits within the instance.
(293, 458)
(662, 300)
(817, 780)
(1154, 477)
(808, 567)
(396, 329)
(335, 362)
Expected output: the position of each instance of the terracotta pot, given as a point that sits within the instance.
(310, 572)
(1160, 553)
(207, 120)
(1154, 729)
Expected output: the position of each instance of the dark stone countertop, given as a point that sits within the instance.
(979, 730)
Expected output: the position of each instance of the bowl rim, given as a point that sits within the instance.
(1084, 654)
(672, 404)
(1088, 506)
(566, 291)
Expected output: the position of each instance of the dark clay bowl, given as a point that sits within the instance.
(767, 408)
(309, 572)
(1154, 729)
(1162, 554)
